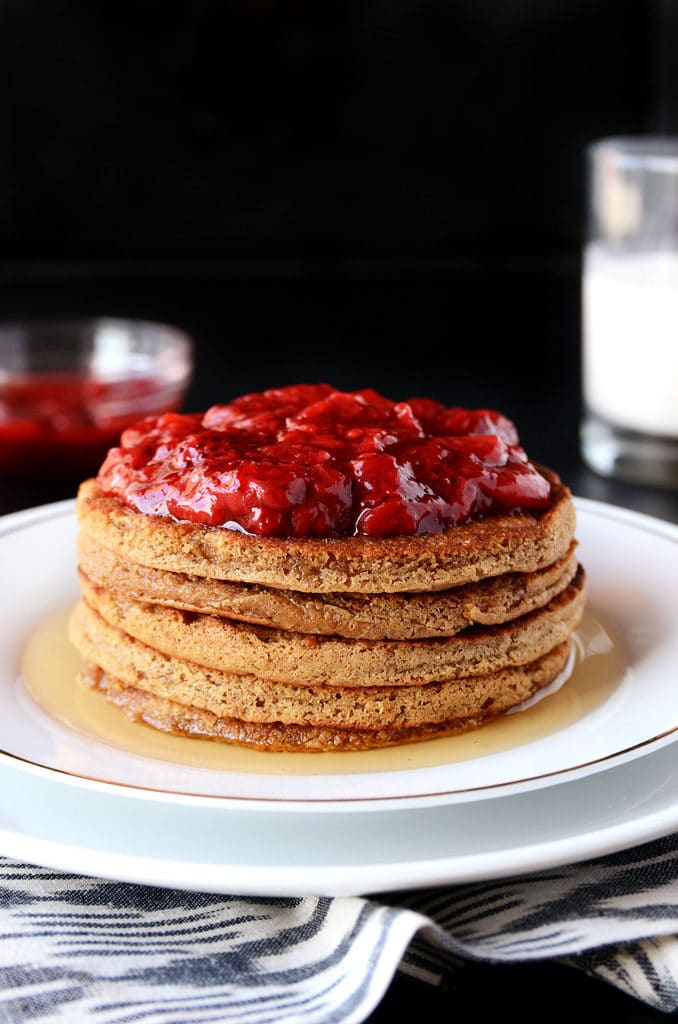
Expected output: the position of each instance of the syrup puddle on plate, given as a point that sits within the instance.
(50, 665)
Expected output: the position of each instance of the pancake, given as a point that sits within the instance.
(187, 720)
(465, 553)
(360, 616)
(249, 698)
(305, 569)
(279, 655)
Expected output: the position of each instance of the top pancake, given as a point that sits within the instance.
(518, 542)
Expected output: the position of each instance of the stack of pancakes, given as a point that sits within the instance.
(313, 644)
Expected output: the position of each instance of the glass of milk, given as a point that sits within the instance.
(629, 427)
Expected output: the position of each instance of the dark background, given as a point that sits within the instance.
(383, 194)
(290, 139)
(380, 193)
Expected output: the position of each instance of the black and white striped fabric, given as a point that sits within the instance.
(82, 949)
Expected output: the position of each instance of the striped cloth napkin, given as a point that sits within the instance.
(77, 949)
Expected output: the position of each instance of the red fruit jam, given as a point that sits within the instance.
(310, 461)
(60, 426)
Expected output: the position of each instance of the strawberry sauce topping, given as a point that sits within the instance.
(310, 461)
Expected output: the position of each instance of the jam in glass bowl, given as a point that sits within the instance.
(68, 389)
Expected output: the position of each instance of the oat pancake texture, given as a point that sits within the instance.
(360, 616)
(172, 717)
(520, 542)
(253, 699)
(299, 658)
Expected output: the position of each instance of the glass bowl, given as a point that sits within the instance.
(68, 390)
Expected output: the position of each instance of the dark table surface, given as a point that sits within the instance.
(508, 343)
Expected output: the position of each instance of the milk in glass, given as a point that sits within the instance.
(630, 351)
(629, 425)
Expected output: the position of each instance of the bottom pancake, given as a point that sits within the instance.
(253, 699)
(180, 697)
(170, 717)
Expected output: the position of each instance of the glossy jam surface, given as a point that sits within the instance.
(311, 461)
(61, 425)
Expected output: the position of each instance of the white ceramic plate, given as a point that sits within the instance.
(213, 848)
(619, 703)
